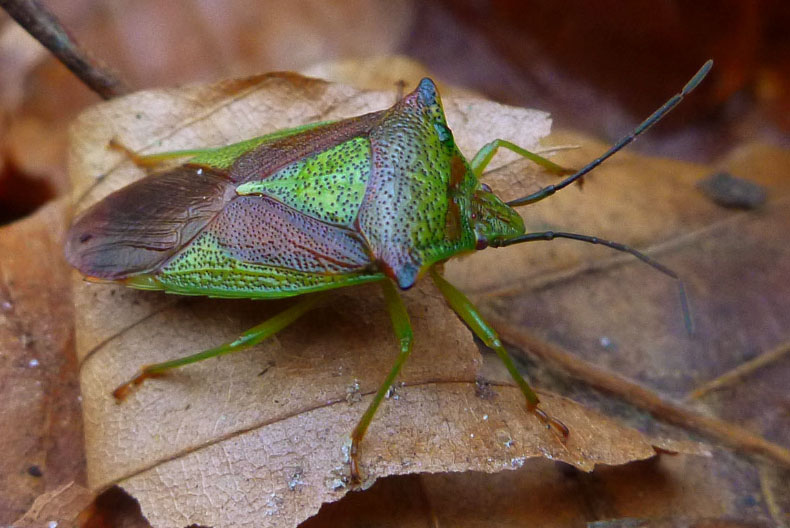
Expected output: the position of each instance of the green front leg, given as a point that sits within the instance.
(471, 316)
(484, 156)
(250, 338)
(403, 331)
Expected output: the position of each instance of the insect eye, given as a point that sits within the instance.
(485, 187)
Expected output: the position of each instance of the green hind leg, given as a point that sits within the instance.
(403, 331)
(471, 316)
(484, 156)
(148, 161)
(250, 338)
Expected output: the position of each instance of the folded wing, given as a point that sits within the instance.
(136, 229)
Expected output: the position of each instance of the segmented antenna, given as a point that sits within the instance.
(685, 306)
(647, 123)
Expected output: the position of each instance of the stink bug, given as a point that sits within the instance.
(384, 197)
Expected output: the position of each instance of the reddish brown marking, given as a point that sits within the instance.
(457, 172)
(452, 221)
(557, 427)
(268, 158)
(122, 391)
(261, 230)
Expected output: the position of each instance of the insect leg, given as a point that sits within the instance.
(484, 156)
(551, 235)
(251, 337)
(471, 316)
(147, 161)
(403, 331)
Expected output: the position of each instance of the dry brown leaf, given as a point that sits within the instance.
(616, 324)
(255, 438)
(41, 432)
(60, 506)
(379, 73)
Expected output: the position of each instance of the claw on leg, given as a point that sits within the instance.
(122, 391)
(353, 462)
(403, 331)
(556, 426)
(471, 316)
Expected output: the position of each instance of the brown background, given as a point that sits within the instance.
(597, 70)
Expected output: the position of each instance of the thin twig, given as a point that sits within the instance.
(633, 393)
(45, 27)
(740, 371)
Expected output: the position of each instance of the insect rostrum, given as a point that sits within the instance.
(383, 197)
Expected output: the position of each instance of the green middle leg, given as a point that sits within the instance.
(403, 331)
(484, 156)
(250, 338)
(471, 316)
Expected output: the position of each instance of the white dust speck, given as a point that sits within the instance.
(336, 480)
(32, 363)
(352, 392)
(517, 462)
(273, 505)
(392, 393)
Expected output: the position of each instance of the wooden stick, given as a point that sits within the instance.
(47, 29)
(741, 371)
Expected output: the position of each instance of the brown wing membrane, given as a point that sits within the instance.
(260, 230)
(137, 228)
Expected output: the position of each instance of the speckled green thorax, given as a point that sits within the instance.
(414, 209)
(328, 185)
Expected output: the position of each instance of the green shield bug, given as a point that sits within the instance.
(384, 197)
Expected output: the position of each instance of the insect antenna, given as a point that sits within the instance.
(551, 235)
(647, 123)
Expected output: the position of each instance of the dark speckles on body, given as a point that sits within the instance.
(327, 185)
(404, 213)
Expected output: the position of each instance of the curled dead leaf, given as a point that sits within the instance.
(255, 438)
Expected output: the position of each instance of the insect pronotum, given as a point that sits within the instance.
(383, 197)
